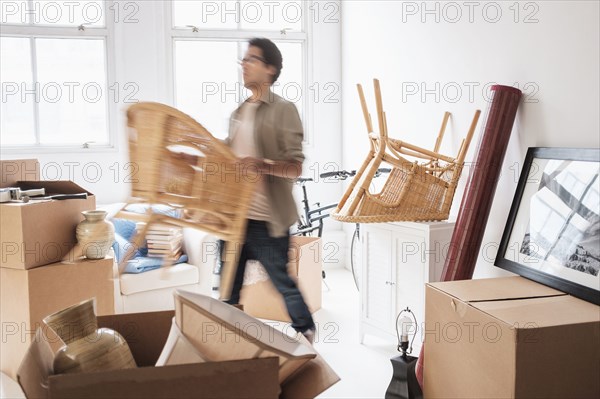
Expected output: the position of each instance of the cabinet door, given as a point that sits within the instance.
(410, 270)
(376, 288)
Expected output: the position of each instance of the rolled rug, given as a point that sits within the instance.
(479, 192)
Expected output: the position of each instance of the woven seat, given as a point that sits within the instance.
(420, 186)
(177, 162)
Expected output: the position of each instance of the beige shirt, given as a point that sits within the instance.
(278, 136)
(243, 145)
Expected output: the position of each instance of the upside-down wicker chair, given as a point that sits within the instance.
(180, 164)
(417, 189)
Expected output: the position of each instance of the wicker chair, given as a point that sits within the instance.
(179, 163)
(417, 189)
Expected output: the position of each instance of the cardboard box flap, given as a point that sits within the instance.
(541, 312)
(35, 368)
(53, 187)
(13, 170)
(314, 378)
(494, 289)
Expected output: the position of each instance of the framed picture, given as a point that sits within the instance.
(552, 235)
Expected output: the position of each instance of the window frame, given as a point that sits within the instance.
(240, 36)
(105, 33)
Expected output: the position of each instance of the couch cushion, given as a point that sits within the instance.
(165, 277)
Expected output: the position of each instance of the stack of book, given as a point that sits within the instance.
(164, 241)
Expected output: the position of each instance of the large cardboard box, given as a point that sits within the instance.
(39, 233)
(261, 299)
(27, 296)
(146, 334)
(14, 170)
(509, 338)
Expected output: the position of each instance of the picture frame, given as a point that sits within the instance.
(552, 235)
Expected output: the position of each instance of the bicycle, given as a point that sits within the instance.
(306, 222)
(305, 225)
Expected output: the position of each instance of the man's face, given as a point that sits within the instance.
(255, 71)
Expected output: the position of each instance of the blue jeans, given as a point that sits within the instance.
(272, 253)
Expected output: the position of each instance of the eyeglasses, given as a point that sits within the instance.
(252, 60)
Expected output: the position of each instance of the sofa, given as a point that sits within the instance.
(153, 290)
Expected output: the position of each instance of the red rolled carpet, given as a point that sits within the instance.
(479, 192)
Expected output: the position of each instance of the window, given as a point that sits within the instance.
(55, 71)
(209, 37)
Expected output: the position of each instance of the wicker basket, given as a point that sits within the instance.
(177, 162)
(420, 186)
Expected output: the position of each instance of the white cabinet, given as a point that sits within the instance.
(397, 260)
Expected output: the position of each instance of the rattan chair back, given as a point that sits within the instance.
(177, 162)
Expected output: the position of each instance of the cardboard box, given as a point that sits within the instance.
(39, 233)
(27, 296)
(509, 338)
(12, 171)
(261, 299)
(146, 334)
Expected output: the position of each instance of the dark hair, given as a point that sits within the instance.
(270, 53)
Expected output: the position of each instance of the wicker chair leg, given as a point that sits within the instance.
(231, 256)
(438, 141)
(365, 184)
(138, 238)
(356, 178)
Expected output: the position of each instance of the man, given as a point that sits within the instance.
(266, 132)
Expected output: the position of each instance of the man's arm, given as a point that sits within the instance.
(291, 136)
(285, 169)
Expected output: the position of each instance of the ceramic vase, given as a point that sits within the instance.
(103, 350)
(74, 322)
(87, 348)
(95, 235)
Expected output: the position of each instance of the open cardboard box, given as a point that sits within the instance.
(509, 338)
(146, 334)
(27, 296)
(261, 299)
(39, 233)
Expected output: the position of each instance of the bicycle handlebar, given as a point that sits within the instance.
(340, 174)
(343, 174)
(302, 179)
(381, 171)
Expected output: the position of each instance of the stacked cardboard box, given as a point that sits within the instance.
(509, 338)
(34, 281)
(38, 233)
(261, 299)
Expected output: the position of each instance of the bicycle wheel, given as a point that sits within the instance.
(355, 259)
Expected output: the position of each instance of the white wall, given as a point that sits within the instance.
(549, 49)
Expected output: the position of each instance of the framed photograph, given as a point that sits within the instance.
(552, 235)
